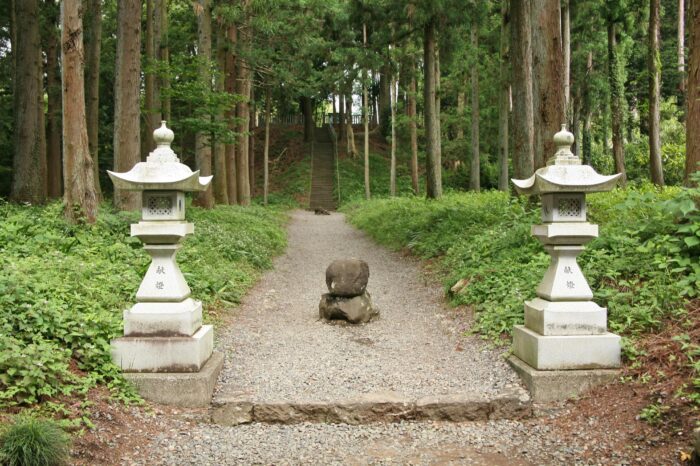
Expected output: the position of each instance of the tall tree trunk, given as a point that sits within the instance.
(351, 149)
(431, 113)
(392, 103)
(127, 132)
(458, 129)
(412, 128)
(587, 111)
(617, 93)
(243, 112)
(681, 45)
(29, 163)
(692, 138)
(342, 128)
(230, 85)
(523, 120)
(503, 100)
(93, 41)
(163, 49)
(203, 138)
(365, 111)
(657, 174)
(266, 150)
(307, 111)
(692, 128)
(151, 88)
(548, 65)
(566, 49)
(54, 161)
(220, 178)
(384, 98)
(475, 171)
(251, 142)
(80, 198)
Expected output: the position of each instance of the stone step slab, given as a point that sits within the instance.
(373, 407)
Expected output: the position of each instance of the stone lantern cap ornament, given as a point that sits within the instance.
(162, 169)
(565, 173)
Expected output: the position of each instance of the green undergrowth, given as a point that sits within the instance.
(352, 185)
(644, 267)
(63, 288)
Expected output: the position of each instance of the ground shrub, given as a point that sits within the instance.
(34, 442)
(63, 288)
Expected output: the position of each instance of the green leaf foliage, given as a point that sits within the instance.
(63, 288)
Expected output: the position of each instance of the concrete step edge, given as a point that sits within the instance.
(372, 408)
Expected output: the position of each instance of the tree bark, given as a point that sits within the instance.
(163, 49)
(220, 177)
(459, 124)
(431, 113)
(266, 151)
(566, 48)
(412, 128)
(54, 176)
(503, 100)
(692, 138)
(475, 171)
(127, 132)
(351, 147)
(681, 45)
(548, 89)
(230, 85)
(93, 40)
(152, 98)
(521, 50)
(203, 150)
(29, 162)
(384, 98)
(657, 175)
(365, 111)
(307, 111)
(616, 103)
(243, 112)
(80, 198)
(251, 141)
(392, 170)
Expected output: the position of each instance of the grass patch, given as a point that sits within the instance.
(34, 442)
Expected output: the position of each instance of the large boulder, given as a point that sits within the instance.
(355, 310)
(347, 277)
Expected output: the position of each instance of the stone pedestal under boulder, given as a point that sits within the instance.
(347, 298)
(355, 310)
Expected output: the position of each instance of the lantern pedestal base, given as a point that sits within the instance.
(566, 352)
(547, 386)
(164, 354)
(186, 390)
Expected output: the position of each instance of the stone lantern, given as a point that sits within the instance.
(165, 352)
(564, 346)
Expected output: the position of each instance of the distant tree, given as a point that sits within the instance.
(475, 171)
(654, 60)
(432, 111)
(692, 141)
(54, 162)
(504, 99)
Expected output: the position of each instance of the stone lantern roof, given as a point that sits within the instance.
(162, 170)
(565, 173)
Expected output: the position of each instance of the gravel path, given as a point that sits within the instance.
(277, 349)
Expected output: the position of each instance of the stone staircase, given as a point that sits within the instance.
(323, 172)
